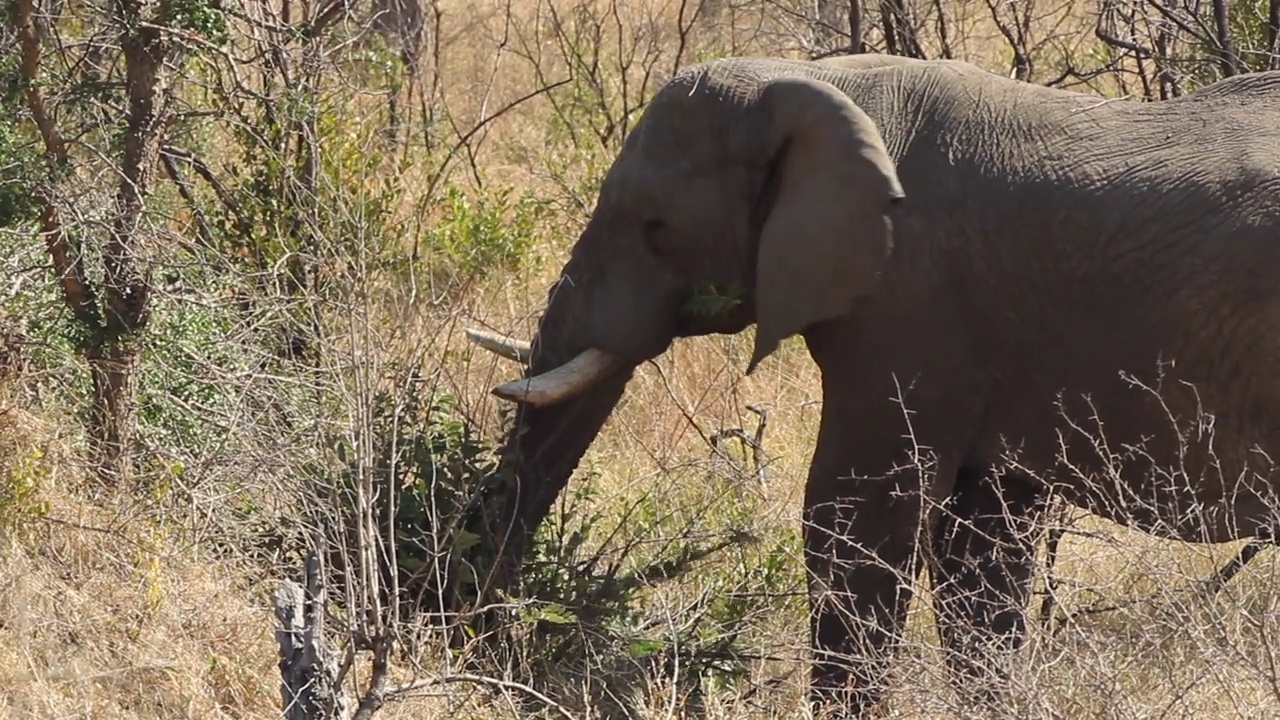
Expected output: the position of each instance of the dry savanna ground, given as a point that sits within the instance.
(156, 603)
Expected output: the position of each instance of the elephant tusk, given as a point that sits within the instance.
(502, 345)
(561, 383)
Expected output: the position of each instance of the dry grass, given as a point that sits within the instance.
(110, 612)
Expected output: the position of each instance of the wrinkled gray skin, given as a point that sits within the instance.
(1049, 241)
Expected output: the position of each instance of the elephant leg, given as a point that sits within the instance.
(861, 553)
(983, 554)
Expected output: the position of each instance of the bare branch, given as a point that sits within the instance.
(509, 685)
(67, 257)
(1273, 34)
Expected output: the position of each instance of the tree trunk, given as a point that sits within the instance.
(1226, 52)
(1273, 34)
(111, 417)
(899, 35)
(112, 315)
(855, 27)
(308, 667)
(112, 351)
(826, 26)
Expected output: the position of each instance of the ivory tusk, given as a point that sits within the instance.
(502, 345)
(559, 384)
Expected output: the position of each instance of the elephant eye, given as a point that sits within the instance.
(657, 237)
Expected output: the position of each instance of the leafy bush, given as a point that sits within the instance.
(424, 465)
(19, 157)
(584, 611)
(489, 233)
(184, 388)
(1248, 23)
(25, 471)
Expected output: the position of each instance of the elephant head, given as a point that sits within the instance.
(779, 187)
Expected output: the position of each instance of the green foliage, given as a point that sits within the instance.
(424, 465)
(590, 611)
(20, 166)
(1247, 20)
(24, 473)
(584, 605)
(18, 169)
(709, 301)
(203, 17)
(487, 233)
(1247, 25)
(183, 388)
(305, 219)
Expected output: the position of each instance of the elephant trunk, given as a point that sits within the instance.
(547, 437)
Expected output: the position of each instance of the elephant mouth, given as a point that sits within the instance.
(585, 371)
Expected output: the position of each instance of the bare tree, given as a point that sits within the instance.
(1014, 22)
(828, 30)
(899, 27)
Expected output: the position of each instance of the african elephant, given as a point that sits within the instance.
(1058, 259)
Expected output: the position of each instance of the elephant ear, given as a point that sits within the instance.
(826, 236)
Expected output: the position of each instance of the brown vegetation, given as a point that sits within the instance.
(330, 199)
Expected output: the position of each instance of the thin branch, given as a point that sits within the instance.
(466, 137)
(332, 13)
(68, 260)
(1214, 583)
(1227, 60)
(202, 169)
(1056, 531)
(184, 190)
(377, 695)
(454, 678)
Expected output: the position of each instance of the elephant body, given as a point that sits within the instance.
(1122, 254)
(1077, 294)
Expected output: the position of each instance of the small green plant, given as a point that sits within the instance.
(23, 476)
(710, 301)
(587, 615)
(486, 233)
(182, 385)
(424, 466)
(584, 606)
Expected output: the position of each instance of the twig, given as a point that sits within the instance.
(1213, 584)
(480, 680)
(202, 169)
(466, 137)
(1056, 531)
(1207, 587)
(184, 190)
(759, 459)
(334, 11)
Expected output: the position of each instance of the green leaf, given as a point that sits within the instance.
(709, 300)
(465, 540)
(553, 613)
(645, 646)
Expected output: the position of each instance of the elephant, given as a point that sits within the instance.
(1011, 292)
